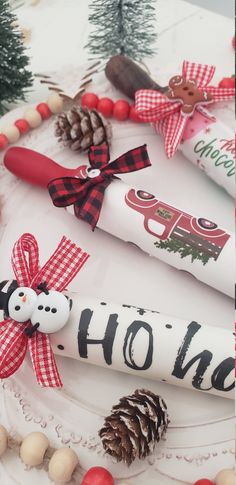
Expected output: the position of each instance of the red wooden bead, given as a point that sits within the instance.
(105, 107)
(133, 115)
(22, 125)
(3, 141)
(204, 481)
(89, 100)
(121, 110)
(44, 111)
(98, 476)
(227, 82)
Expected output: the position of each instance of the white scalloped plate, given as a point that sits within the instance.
(200, 438)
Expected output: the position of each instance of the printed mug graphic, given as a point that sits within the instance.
(176, 230)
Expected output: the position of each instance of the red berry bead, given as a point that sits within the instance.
(105, 107)
(121, 110)
(133, 115)
(22, 125)
(98, 476)
(3, 141)
(89, 100)
(204, 481)
(227, 82)
(44, 111)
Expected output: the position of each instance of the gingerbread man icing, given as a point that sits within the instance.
(188, 93)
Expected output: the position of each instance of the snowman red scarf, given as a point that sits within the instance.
(37, 307)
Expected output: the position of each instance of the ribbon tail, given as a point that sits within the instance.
(173, 130)
(202, 73)
(23, 267)
(99, 156)
(131, 161)
(91, 208)
(62, 267)
(221, 94)
(43, 361)
(13, 346)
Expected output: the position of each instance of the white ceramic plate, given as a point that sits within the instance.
(200, 438)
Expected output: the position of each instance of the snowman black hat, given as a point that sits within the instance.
(7, 287)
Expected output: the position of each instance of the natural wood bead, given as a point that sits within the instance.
(12, 133)
(33, 117)
(33, 448)
(225, 477)
(62, 465)
(3, 439)
(55, 103)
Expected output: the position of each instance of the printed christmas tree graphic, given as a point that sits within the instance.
(173, 245)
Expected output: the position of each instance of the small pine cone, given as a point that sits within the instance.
(136, 424)
(80, 128)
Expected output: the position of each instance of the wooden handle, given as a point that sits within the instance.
(33, 167)
(128, 77)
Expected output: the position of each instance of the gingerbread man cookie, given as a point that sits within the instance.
(188, 93)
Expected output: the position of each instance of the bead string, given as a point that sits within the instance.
(121, 110)
(61, 464)
(33, 117)
(35, 451)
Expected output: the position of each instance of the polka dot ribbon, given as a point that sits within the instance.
(57, 273)
(166, 111)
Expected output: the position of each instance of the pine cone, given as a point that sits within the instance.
(80, 128)
(136, 424)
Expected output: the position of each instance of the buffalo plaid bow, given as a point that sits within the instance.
(87, 194)
(58, 272)
(166, 116)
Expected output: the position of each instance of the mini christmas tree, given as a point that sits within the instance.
(123, 27)
(14, 77)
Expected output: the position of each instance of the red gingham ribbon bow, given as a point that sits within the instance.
(167, 116)
(87, 194)
(58, 272)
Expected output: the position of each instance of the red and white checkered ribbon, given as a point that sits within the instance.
(58, 272)
(166, 116)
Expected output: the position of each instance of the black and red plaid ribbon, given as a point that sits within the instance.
(87, 194)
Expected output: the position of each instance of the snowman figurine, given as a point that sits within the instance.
(48, 312)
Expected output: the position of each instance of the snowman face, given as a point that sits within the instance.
(52, 312)
(21, 304)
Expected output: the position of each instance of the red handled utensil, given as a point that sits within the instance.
(37, 169)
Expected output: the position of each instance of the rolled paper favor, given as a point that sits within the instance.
(149, 344)
(143, 342)
(188, 242)
(178, 113)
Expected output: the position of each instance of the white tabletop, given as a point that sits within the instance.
(59, 32)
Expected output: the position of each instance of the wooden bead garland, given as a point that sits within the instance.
(34, 448)
(33, 118)
(64, 461)
(121, 110)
